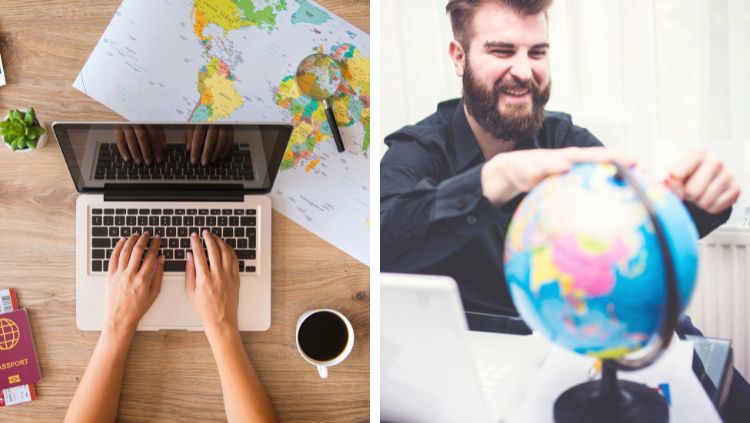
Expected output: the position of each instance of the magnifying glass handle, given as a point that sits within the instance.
(334, 127)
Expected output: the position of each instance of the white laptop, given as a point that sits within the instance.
(173, 198)
(433, 369)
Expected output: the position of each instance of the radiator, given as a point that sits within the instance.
(721, 303)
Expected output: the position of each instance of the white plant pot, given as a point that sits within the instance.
(40, 142)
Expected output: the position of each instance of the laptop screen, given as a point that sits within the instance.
(180, 155)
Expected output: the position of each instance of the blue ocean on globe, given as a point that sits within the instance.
(583, 263)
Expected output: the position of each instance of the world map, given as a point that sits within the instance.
(235, 61)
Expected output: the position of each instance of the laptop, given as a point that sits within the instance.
(433, 369)
(173, 198)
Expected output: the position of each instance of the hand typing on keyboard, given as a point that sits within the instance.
(207, 144)
(141, 143)
(133, 285)
(212, 283)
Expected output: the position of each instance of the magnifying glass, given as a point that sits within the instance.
(319, 76)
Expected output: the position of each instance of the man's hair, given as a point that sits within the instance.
(462, 13)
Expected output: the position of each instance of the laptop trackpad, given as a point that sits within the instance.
(172, 309)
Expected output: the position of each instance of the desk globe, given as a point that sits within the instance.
(587, 265)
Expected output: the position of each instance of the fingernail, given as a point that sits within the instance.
(194, 234)
(138, 161)
(204, 162)
(190, 255)
(206, 233)
(193, 162)
(161, 259)
(157, 236)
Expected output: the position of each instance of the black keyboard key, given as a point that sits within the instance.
(175, 265)
(119, 211)
(153, 220)
(160, 231)
(179, 212)
(100, 242)
(130, 220)
(177, 221)
(168, 211)
(148, 229)
(109, 220)
(125, 231)
(250, 231)
(114, 231)
(179, 254)
(250, 212)
(142, 220)
(239, 232)
(163, 243)
(96, 211)
(143, 211)
(132, 211)
(185, 243)
(109, 211)
(171, 232)
(211, 221)
(174, 242)
(215, 212)
(200, 221)
(242, 266)
(168, 254)
(223, 221)
(105, 265)
(246, 254)
(252, 242)
(248, 221)
(193, 230)
(98, 231)
(241, 243)
(109, 253)
(113, 242)
(155, 211)
(182, 232)
(232, 242)
(96, 220)
(239, 212)
(226, 212)
(165, 220)
(192, 212)
(234, 221)
(203, 212)
(97, 253)
(216, 231)
(187, 221)
(119, 220)
(96, 266)
(250, 269)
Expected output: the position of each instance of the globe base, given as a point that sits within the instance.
(611, 400)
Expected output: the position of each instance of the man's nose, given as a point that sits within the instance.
(521, 68)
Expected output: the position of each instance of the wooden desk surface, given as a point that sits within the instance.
(169, 376)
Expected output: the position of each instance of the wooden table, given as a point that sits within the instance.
(171, 375)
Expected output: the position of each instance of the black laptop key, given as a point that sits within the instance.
(109, 211)
(241, 243)
(96, 211)
(100, 242)
(168, 254)
(226, 212)
(177, 221)
(112, 241)
(114, 231)
(248, 221)
(231, 242)
(174, 242)
(175, 265)
(200, 221)
(132, 211)
(227, 232)
(155, 211)
(250, 231)
(171, 232)
(168, 211)
(234, 221)
(96, 266)
(143, 211)
(179, 254)
(165, 220)
(160, 231)
(216, 231)
(250, 212)
(109, 253)
(222, 221)
(99, 231)
(109, 220)
(239, 212)
(203, 212)
(97, 253)
(182, 231)
(211, 221)
(163, 243)
(185, 243)
(215, 212)
(130, 220)
(246, 254)
(252, 242)
(119, 220)
(149, 229)
(142, 220)
(119, 211)
(125, 231)
(193, 230)
(179, 212)
(187, 221)
(192, 212)
(153, 220)
(250, 269)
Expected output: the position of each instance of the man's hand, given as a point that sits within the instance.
(207, 144)
(140, 143)
(213, 290)
(509, 174)
(132, 286)
(701, 178)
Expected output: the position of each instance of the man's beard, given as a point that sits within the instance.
(483, 105)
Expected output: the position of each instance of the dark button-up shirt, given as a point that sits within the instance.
(434, 217)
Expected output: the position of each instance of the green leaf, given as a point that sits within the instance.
(32, 143)
(32, 112)
(35, 132)
(15, 114)
(28, 118)
(14, 145)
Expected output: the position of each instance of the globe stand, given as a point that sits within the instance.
(610, 400)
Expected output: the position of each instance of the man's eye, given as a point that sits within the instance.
(502, 52)
(537, 53)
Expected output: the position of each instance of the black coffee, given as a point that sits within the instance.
(323, 336)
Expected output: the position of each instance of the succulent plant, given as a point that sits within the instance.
(21, 130)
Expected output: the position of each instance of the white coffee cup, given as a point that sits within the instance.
(327, 345)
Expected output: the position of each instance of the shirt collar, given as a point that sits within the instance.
(467, 149)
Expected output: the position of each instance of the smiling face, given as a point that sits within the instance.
(505, 71)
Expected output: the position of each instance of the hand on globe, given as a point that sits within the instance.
(132, 286)
(701, 178)
(509, 174)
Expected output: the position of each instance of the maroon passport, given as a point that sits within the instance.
(18, 363)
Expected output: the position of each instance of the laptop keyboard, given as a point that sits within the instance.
(238, 227)
(176, 165)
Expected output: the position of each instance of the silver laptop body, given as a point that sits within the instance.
(173, 198)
